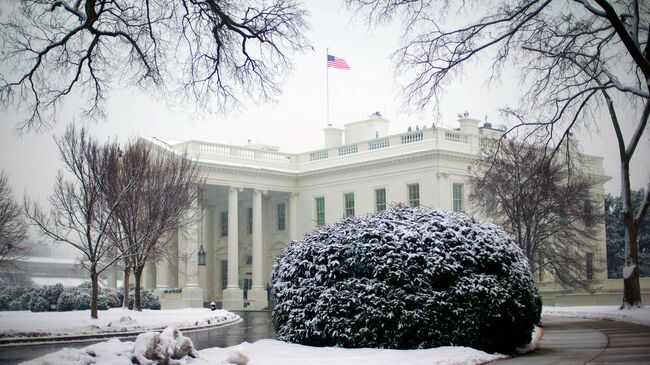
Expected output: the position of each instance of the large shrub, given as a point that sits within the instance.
(405, 278)
(39, 304)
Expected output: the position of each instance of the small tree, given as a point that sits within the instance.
(544, 201)
(12, 226)
(80, 214)
(157, 205)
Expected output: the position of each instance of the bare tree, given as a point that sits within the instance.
(13, 228)
(576, 56)
(214, 52)
(156, 206)
(546, 204)
(79, 216)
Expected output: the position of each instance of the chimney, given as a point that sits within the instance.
(468, 125)
(333, 136)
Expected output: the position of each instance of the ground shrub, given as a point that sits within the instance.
(66, 301)
(405, 278)
(14, 305)
(39, 304)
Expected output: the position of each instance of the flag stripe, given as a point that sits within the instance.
(336, 62)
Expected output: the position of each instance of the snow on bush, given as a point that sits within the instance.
(406, 278)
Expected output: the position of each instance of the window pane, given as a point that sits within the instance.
(250, 221)
(224, 274)
(281, 217)
(320, 211)
(224, 224)
(458, 197)
(349, 204)
(414, 195)
(590, 265)
(380, 200)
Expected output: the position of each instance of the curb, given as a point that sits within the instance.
(49, 340)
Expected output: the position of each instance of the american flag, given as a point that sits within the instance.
(336, 62)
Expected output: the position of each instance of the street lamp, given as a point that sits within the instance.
(201, 256)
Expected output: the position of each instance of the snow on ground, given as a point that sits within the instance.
(273, 352)
(30, 324)
(634, 315)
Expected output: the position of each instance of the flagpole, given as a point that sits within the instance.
(327, 87)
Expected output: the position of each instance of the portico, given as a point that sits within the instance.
(241, 229)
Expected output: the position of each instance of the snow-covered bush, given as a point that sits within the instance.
(14, 305)
(66, 301)
(81, 300)
(405, 278)
(111, 297)
(39, 304)
(25, 299)
(51, 293)
(148, 297)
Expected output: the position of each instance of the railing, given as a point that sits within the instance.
(276, 157)
(247, 154)
(348, 149)
(456, 137)
(378, 143)
(214, 149)
(318, 155)
(410, 137)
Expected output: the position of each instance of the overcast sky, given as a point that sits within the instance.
(295, 122)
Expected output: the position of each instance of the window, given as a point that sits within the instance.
(348, 199)
(589, 265)
(224, 274)
(281, 217)
(320, 211)
(380, 199)
(458, 197)
(490, 206)
(414, 195)
(249, 226)
(224, 224)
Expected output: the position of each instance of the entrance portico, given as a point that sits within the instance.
(241, 230)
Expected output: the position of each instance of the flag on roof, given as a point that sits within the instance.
(336, 62)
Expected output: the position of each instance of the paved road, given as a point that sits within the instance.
(569, 341)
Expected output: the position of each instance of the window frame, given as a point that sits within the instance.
(378, 203)
(281, 218)
(413, 202)
(348, 210)
(223, 224)
(319, 216)
(461, 200)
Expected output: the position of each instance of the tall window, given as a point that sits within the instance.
(281, 217)
(320, 211)
(380, 199)
(589, 265)
(249, 226)
(224, 224)
(490, 206)
(458, 197)
(414, 195)
(348, 199)
(224, 274)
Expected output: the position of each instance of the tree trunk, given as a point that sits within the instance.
(94, 293)
(138, 276)
(631, 287)
(127, 284)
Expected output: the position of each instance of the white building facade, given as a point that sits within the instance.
(257, 199)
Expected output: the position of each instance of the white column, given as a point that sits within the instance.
(257, 293)
(112, 277)
(192, 293)
(233, 296)
(162, 273)
(293, 216)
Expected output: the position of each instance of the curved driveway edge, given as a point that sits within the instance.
(569, 341)
(46, 340)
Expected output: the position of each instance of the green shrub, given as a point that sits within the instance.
(14, 305)
(66, 301)
(39, 304)
(405, 278)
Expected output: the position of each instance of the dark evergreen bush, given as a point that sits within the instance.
(66, 301)
(14, 305)
(405, 278)
(39, 304)
(51, 293)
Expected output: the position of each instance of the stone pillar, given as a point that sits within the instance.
(192, 293)
(162, 274)
(293, 216)
(233, 296)
(112, 277)
(257, 293)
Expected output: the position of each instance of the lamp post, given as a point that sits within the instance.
(201, 256)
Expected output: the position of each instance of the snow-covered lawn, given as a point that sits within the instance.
(636, 315)
(272, 352)
(29, 324)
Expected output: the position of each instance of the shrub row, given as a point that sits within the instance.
(58, 298)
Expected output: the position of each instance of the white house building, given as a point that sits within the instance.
(257, 198)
